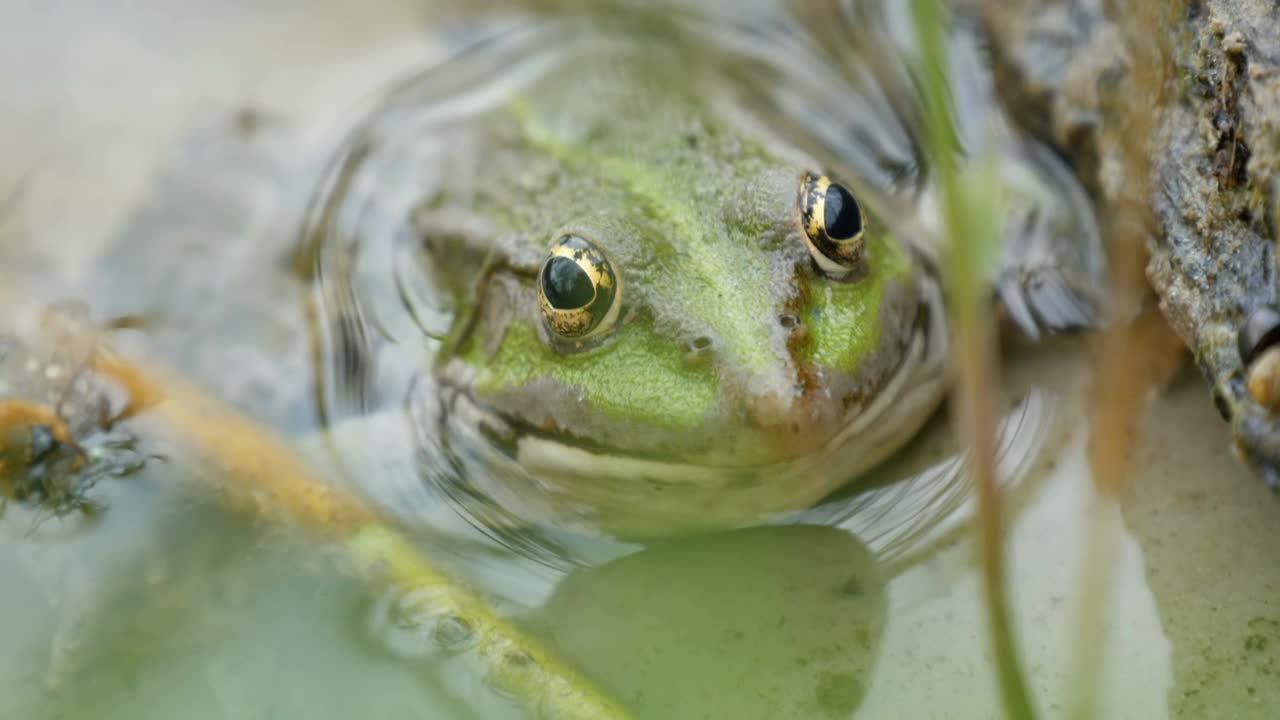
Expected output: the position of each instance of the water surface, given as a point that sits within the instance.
(168, 605)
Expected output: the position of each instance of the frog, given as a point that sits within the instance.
(651, 306)
(640, 279)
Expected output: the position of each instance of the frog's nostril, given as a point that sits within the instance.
(698, 349)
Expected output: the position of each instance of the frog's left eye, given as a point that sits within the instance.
(578, 290)
(833, 225)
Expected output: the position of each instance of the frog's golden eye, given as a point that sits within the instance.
(833, 225)
(578, 290)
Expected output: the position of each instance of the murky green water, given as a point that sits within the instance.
(170, 606)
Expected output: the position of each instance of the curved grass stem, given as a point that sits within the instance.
(260, 473)
(970, 217)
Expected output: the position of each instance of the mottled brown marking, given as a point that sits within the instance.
(798, 340)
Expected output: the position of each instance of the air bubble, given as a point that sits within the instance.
(516, 675)
(453, 634)
(411, 625)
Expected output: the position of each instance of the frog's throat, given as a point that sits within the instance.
(547, 476)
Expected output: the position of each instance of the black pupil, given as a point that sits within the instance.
(841, 213)
(566, 285)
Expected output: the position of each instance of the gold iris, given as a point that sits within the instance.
(833, 225)
(579, 292)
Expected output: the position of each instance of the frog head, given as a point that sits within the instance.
(655, 298)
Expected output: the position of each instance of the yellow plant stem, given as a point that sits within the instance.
(254, 469)
(970, 221)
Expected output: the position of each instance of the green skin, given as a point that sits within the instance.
(735, 362)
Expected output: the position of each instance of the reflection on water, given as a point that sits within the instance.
(178, 610)
(866, 605)
(798, 620)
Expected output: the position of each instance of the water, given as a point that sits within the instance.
(168, 605)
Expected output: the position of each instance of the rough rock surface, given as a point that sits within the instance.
(1199, 83)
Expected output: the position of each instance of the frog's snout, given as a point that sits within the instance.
(769, 409)
(789, 421)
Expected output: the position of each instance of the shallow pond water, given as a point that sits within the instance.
(169, 605)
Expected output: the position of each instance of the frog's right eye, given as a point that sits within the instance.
(579, 292)
(833, 225)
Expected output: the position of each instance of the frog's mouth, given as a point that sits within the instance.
(537, 473)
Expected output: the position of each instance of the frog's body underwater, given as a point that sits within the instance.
(660, 312)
